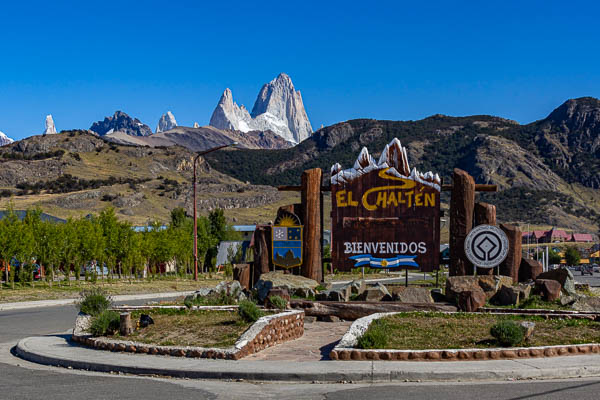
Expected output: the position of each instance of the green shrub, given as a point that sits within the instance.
(320, 288)
(376, 337)
(507, 333)
(93, 301)
(249, 311)
(278, 302)
(107, 322)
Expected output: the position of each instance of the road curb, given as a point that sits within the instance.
(21, 305)
(36, 349)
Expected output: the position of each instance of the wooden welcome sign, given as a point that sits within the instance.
(384, 215)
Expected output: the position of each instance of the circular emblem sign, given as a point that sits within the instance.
(486, 246)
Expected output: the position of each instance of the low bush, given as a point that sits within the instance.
(93, 301)
(507, 333)
(376, 337)
(278, 302)
(249, 311)
(107, 322)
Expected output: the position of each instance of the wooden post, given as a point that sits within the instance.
(510, 266)
(125, 326)
(461, 221)
(262, 252)
(312, 266)
(485, 214)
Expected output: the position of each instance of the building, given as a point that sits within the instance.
(556, 236)
(581, 238)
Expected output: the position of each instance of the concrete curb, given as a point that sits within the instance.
(65, 302)
(57, 351)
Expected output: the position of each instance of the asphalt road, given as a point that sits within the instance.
(20, 379)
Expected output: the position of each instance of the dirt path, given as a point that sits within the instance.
(316, 343)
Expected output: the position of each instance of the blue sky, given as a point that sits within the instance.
(81, 61)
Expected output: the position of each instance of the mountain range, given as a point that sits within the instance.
(4, 140)
(548, 171)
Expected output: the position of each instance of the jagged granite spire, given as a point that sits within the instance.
(166, 122)
(278, 108)
(4, 140)
(50, 128)
(121, 122)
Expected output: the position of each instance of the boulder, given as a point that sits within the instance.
(524, 290)
(304, 293)
(506, 296)
(377, 292)
(458, 284)
(357, 286)
(529, 269)
(471, 300)
(438, 295)
(291, 282)
(412, 295)
(279, 291)
(563, 276)
(549, 289)
(527, 327)
(232, 288)
(82, 323)
(568, 300)
(585, 303)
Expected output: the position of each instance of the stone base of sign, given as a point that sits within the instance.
(266, 332)
(345, 350)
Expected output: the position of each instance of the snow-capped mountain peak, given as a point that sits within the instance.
(166, 122)
(4, 140)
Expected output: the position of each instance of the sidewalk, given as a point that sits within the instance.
(63, 302)
(58, 351)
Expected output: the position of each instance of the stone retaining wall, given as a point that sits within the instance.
(345, 349)
(266, 332)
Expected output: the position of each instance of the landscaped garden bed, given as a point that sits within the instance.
(452, 336)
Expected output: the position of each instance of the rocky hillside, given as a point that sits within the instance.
(548, 171)
(78, 172)
(121, 122)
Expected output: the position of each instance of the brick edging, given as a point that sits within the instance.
(266, 332)
(345, 350)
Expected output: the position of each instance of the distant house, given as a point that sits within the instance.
(229, 249)
(245, 230)
(581, 238)
(554, 236)
(533, 237)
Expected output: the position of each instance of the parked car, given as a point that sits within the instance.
(587, 270)
(91, 269)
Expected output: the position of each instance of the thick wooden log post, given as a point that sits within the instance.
(125, 326)
(485, 214)
(241, 273)
(311, 212)
(262, 252)
(510, 266)
(461, 221)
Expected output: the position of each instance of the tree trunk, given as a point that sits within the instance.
(461, 221)
(312, 266)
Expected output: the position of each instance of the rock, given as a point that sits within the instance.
(568, 300)
(549, 289)
(145, 321)
(438, 295)
(471, 300)
(562, 275)
(585, 303)
(506, 296)
(196, 125)
(166, 122)
(121, 122)
(357, 286)
(241, 273)
(510, 266)
(278, 108)
(278, 291)
(527, 327)
(50, 128)
(490, 284)
(529, 269)
(278, 279)
(412, 294)
(304, 293)
(524, 290)
(4, 140)
(342, 294)
(82, 323)
(458, 284)
(309, 319)
(375, 293)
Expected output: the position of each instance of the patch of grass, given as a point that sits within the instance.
(279, 302)
(376, 337)
(222, 299)
(190, 328)
(421, 331)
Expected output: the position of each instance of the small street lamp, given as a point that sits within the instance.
(195, 218)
